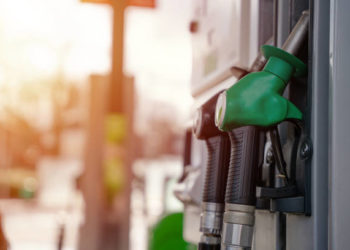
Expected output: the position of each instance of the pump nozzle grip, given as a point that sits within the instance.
(244, 160)
(218, 149)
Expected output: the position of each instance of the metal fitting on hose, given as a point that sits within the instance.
(210, 240)
(211, 218)
(238, 227)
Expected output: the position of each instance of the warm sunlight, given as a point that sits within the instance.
(53, 37)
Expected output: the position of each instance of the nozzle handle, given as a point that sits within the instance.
(217, 168)
(245, 152)
(218, 149)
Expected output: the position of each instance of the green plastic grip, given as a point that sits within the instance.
(257, 98)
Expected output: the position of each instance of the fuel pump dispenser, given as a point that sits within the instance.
(288, 173)
(218, 156)
(248, 109)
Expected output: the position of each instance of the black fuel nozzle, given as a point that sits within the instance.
(218, 156)
(246, 154)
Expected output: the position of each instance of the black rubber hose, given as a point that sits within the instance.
(245, 152)
(204, 246)
(217, 168)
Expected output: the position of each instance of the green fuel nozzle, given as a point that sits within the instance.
(257, 99)
(254, 101)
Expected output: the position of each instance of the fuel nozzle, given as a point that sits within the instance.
(256, 99)
(238, 221)
(253, 103)
(213, 199)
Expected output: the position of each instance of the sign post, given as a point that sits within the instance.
(107, 177)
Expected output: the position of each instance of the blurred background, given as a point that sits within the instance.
(94, 99)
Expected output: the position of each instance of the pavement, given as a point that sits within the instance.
(36, 224)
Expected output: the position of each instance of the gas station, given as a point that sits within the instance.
(174, 125)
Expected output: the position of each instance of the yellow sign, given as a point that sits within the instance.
(116, 128)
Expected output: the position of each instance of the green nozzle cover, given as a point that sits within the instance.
(299, 68)
(257, 98)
